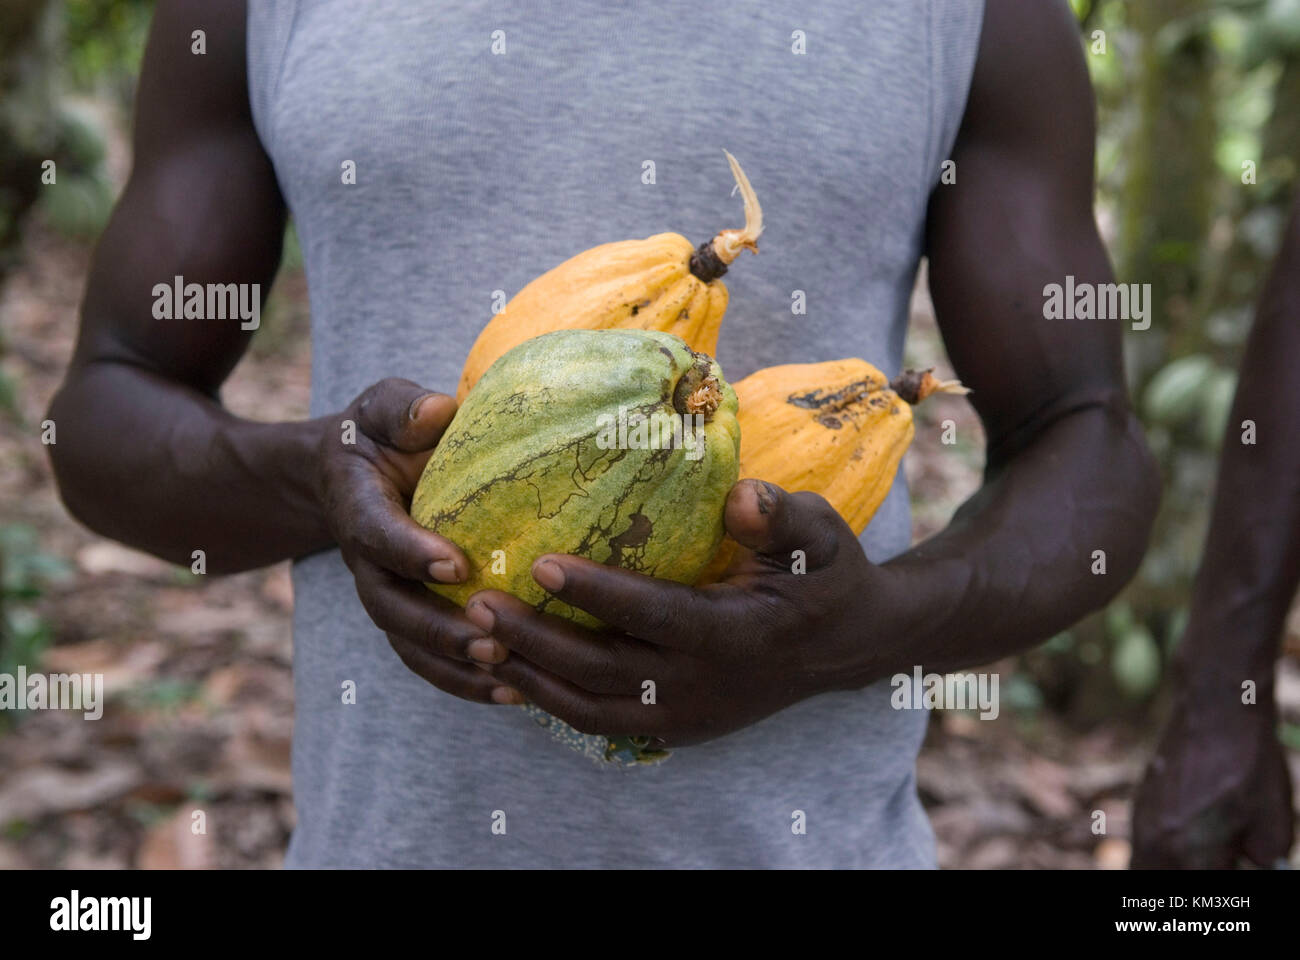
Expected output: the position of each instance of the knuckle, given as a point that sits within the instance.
(376, 540)
(817, 507)
(438, 635)
(583, 717)
(657, 618)
(373, 395)
(375, 608)
(378, 407)
(408, 655)
(599, 674)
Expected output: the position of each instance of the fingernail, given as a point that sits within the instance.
(549, 574)
(445, 571)
(507, 695)
(414, 411)
(486, 650)
(481, 615)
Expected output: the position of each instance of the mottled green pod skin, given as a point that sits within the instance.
(533, 463)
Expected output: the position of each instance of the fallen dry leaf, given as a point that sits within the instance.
(1112, 854)
(1042, 784)
(171, 844)
(278, 587)
(256, 756)
(123, 666)
(105, 556)
(31, 793)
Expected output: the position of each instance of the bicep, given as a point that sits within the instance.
(202, 203)
(1018, 219)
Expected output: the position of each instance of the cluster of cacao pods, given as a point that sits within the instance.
(838, 428)
(634, 325)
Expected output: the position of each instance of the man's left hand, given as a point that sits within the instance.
(779, 629)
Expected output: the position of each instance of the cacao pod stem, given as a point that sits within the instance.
(697, 392)
(915, 385)
(711, 258)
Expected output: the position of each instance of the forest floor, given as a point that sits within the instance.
(197, 669)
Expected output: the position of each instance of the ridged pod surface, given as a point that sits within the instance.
(661, 283)
(837, 428)
(533, 462)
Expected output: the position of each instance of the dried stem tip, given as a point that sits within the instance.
(710, 259)
(698, 391)
(915, 385)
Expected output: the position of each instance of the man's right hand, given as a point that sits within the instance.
(365, 489)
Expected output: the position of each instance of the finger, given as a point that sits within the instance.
(661, 611)
(402, 414)
(599, 664)
(459, 679)
(376, 527)
(773, 523)
(409, 610)
(586, 712)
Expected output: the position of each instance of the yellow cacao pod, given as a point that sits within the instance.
(838, 428)
(660, 283)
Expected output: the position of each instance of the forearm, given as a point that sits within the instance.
(165, 469)
(1251, 563)
(1016, 565)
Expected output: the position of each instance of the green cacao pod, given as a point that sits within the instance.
(614, 445)
(617, 445)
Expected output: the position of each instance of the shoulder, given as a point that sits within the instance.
(1030, 76)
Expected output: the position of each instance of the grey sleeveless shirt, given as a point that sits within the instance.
(484, 158)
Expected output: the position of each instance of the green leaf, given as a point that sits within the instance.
(1022, 694)
(1176, 628)
(1174, 393)
(1135, 662)
(1216, 405)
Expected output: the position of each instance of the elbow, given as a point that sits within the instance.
(81, 457)
(1140, 470)
(1133, 492)
(70, 468)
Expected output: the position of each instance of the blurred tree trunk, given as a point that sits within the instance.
(1263, 206)
(1169, 190)
(1282, 140)
(1169, 187)
(28, 115)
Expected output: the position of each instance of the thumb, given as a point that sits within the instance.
(770, 521)
(403, 415)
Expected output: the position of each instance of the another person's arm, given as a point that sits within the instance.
(145, 453)
(1218, 788)
(1068, 470)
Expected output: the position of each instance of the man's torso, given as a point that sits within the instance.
(475, 172)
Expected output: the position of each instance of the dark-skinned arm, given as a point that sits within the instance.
(1068, 471)
(1218, 788)
(145, 452)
